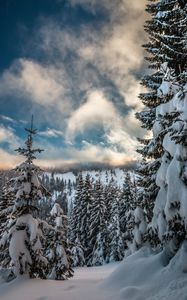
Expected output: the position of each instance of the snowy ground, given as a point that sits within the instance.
(141, 276)
(84, 285)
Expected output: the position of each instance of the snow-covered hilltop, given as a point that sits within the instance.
(104, 175)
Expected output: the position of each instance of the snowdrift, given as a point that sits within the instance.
(145, 276)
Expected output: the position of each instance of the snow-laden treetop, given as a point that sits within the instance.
(29, 152)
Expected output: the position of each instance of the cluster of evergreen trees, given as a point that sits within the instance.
(103, 220)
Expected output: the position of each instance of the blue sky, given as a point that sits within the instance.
(76, 66)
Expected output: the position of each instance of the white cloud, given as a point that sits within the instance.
(7, 135)
(7, 160)
(55, 163)
(99, 154)
(115, 51)
(51, 133)
(97, 110)
(31, 80)
(8, 119)
(118, 138)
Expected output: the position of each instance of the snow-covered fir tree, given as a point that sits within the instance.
(139, 216)
(58, 252)
(6, 207)
(126, 197)
(116, 245)
(166, 30)
(166, 45)
(170, 213)
(76, 213)
(166, 149)
(98, 227)
(24, 234)
(126, 208)
(80, 215)
(110, 194)
(86, 203)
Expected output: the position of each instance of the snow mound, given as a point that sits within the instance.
(144, 276)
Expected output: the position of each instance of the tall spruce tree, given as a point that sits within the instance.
(166, 149)
(76, 213)
(110, 194)
(169, 217)
(126, 208)
(86, 203)
(24, 234)
(98, 227)
(166, 45)
(116, 245)
(126, 197)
